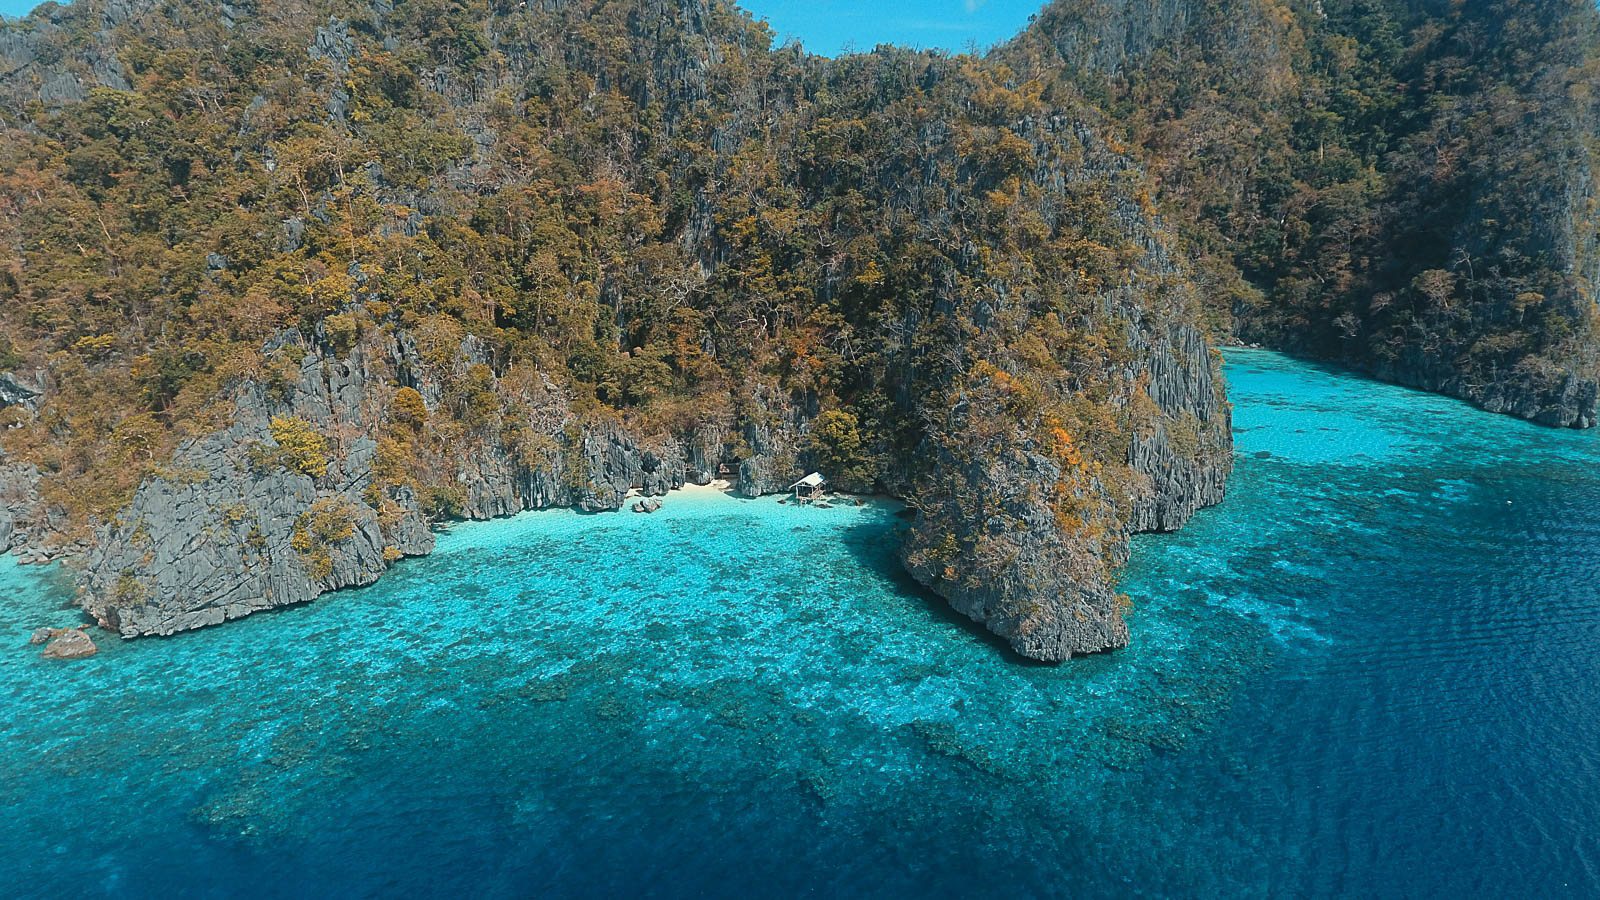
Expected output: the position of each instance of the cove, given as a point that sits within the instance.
(1371, 671)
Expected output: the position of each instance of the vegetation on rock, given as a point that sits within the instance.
(300, 448)
(1403, 186)
(475, 258)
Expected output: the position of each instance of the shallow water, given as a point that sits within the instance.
(1371, 672)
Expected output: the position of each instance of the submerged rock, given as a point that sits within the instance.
(43, 635)
(71, 643)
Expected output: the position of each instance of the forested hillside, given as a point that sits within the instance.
(288, 281)
(1404, 186)
(284, 283)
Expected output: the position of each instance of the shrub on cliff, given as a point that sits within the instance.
(300, 448)
(328, 523)
(408, 408)
(9, 357)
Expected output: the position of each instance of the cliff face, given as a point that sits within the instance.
(237, 523)
(1019, 534)
(1026, 499)
(292, 500)
(1187, 456)
(19, 499)
(58, 56)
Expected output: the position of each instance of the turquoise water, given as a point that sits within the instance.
(1372, 672)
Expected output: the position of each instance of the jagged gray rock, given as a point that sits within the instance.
(1003, 531)
(1188, 455)
(21, 509)
(991, 544)
(26, 391)
(773, 429)
(71, 643)
(224, 530)
(31, 63)
(708, 451)
(989, 536)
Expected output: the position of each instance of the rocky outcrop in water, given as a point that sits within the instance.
(251, 518)
(990, 537)
(1019, 538)
(1024, 505)
(70, 643)
(1558, 395)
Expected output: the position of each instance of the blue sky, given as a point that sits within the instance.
(828, 26)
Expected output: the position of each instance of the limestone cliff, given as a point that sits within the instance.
(332, 274)
(1025, 508)
(1016, 539)
(328, 274)
(292, 501)
(19, 502)
(238, 522)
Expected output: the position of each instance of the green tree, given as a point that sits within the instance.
(835, 442)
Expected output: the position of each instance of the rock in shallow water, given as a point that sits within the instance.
(71, 643)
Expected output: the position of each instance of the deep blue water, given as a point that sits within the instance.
(1371, 672)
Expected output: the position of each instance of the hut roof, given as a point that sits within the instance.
(813, 480)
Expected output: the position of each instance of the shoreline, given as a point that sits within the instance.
(722, 488)
(715, 486)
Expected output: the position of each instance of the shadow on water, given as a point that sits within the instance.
(878, 547)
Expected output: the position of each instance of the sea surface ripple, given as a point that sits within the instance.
(1373, 671)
